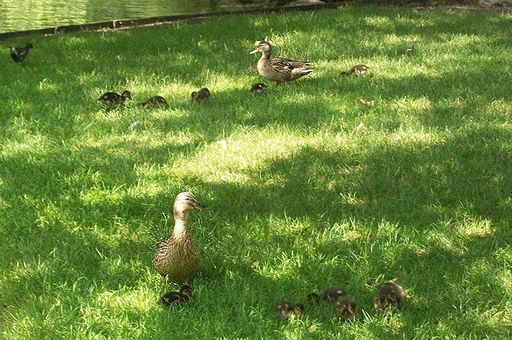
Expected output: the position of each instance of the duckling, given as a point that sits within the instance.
(156, 101)
(177, 256)
(258, 88)
(313, 298)
(201, 96)
(410, 49)
(112, 98)
(180, 297)
(366, 101)
(389, 295)
(332, 294)
(287, 309)
(280, 70)
(346, 308)
(18, 54)
(135, 126)
(356, 70)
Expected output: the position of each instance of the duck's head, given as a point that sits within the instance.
(29, 46)
(264, 46)
(126, 94)
(185, 202)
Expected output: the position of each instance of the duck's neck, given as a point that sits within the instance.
(266, 54)
(180, 224)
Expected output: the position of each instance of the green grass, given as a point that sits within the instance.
(307, 188)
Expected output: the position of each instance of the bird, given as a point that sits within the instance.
(279, 70)
(201, 96)
(332, 294)
(313, 298)
(346, 308)
(410, 49)
(389, 295)
(366, 101)
(18, 54)
(176, 298)
(258, 88)
(135, 126)
(155, 101)
(176, 256)
(111, 99)
(287, 309)
(356, 70)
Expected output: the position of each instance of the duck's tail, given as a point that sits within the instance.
(302, 70)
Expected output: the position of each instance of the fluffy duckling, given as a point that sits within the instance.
(346, 308)
(280, 70)
(313, 298)
(410, 49)
(177, 256)
(332, 294)
(176, 298)
(366, 101)
(389, 295)
(112, 98)
(258, 88)
(201, 96)
(287, 309)
(156, 101)
(18, 54)
(356, 70)
(135, 126)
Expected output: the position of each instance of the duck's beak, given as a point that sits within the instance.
(200, 206)
(254, 51)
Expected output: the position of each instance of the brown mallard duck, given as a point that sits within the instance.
(357, 70)
(176, 298)
(389, 295)
(280, 70)
(156, 101)
(201, 96)
(177, 256)
(287, 309)
(18, 54)
(112, 98)
(346, 308)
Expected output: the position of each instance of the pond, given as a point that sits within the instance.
(20, 15)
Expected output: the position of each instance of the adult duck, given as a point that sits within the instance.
(277, 69)
(177, 256)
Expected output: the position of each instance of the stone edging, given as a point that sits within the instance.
(127, 23)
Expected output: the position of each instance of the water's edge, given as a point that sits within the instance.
(127, 23)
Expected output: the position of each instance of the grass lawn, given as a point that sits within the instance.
(307, 187)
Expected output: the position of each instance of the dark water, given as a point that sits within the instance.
(19, 15)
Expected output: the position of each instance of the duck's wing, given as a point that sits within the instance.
(298, 68)
(281, 64)
(298, 63)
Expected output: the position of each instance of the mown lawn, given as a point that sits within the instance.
(307, 187)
